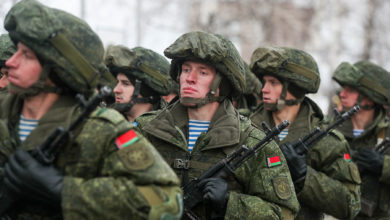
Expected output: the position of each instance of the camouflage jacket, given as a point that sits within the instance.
(100, 181)
(332, 182)
(3, 94)
(256, 190)
(375, 190)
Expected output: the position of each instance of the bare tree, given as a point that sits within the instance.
(369, 29)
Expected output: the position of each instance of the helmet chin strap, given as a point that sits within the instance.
(37, 87)
(210, 96)
(126, 107)
(358, 102)
(282, 102)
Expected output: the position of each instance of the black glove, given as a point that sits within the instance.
(369, 160)
(26, 177)
(6, 200)
(215, 193)
(296, 163)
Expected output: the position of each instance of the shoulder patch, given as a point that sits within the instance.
(126, 139)
(136, 157)
(281, 187)
(347, 157)
(273, 161)
(108, 114)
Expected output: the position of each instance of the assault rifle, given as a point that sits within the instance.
(193, 194)
(367, 206)
(47, 151)
(303, 144)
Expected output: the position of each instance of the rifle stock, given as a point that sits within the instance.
(193, 194)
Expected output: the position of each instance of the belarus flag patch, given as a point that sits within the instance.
(126, 139)
(273, 161)
(347, 157)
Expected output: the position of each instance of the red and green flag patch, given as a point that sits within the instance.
(273, 161)
(347, 157)
(126, 139)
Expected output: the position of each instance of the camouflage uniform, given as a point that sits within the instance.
(371, 81)
(256, 190)
(331, 184)
(146, 66)
(7, 48)
(100, 181)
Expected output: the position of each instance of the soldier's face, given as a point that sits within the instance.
(3, 78)
(349, 97)
(272, 88)
(195, 79)
(24, 67)
(124, 89)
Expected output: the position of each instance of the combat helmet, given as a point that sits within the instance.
(366, 77)
(296, 69)
(70, 52)
(253, 84)
(146, 69)
(252, 93)
(215, 50)
(7, 49)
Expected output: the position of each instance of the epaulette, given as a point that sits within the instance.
(337, 134)
(108, 114)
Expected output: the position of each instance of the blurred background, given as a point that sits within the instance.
(332, 31)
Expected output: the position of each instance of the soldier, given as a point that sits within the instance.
(367, 84)
(142, 76)
(106, 170)
(7, 48)
(202, 127)
(325, 180)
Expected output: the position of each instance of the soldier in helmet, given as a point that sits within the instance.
(367, 84)
(142, 76)
(7, 48)
(94, 175)
(325, 180)
(202, 127)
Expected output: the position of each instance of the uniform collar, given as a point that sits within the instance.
(60, 114)
(172, 124)
(379, 123)
(308, 118)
